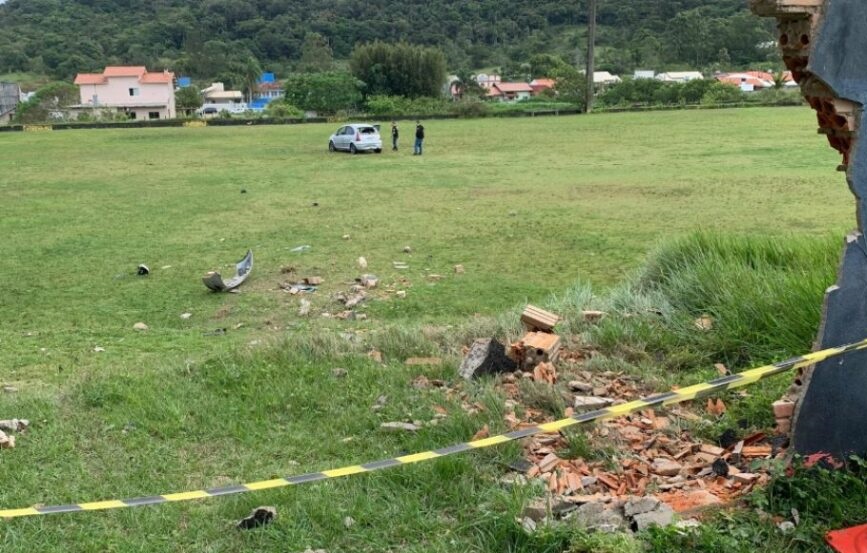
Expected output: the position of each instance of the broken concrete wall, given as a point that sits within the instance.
(823, 44)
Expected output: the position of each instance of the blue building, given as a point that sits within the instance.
(267, 90)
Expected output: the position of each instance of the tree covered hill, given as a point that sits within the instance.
(199, 37)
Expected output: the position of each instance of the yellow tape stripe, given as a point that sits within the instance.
(556, 426)
(345, 471)
(488, 442)
(266, 484)
(418, 457)
(679, 396)
(14, 513)
(186, 496)
(102, 505)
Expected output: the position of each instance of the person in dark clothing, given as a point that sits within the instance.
(419, 138)
(395, 135)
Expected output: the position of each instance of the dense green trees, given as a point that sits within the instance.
(208, 39)
(47, 101)
(399, 69)
(323, 92)
(316, 54)
(188, 98)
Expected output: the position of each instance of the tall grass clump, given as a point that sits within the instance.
(763, 297)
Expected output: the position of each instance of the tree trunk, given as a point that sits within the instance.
(591, 53)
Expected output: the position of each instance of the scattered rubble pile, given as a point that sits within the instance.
(357, 293)
(648, 454)
(633, 513)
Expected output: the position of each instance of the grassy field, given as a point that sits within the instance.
(529, 207)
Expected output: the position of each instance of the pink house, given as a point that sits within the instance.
(132, 90)
(510, 92)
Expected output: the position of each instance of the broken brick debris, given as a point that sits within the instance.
(655, 454)
(536, 319)
(535, 348)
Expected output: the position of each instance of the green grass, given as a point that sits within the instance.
(529, 207)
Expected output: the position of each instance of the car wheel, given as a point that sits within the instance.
(331, 147)
(378, 150)
(353, 149)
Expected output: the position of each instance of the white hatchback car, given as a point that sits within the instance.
(358, 137)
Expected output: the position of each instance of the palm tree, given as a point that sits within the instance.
(779, 80)
(250, 72)
(466, 85)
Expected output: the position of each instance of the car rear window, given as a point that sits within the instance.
(367, 130)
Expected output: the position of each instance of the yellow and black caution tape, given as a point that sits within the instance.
(661, 400)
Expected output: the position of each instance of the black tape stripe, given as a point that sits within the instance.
(659, 399)
(227, 490)
(311, 477)
(525, 433)
(379, 465)
(142, 501)
(591, 416)
(451, 450)
(725, 380)
(58, 509)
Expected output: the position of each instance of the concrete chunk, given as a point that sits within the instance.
(486, 356)
(663, 516)
(590, 403)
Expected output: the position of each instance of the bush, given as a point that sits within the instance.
(281, 109)
(650, 92)
(398, 105)
(721, 94)
(47, 101)
(399, 69)
(764, 294)
(324, 92)
(779, 97)
(470, 107)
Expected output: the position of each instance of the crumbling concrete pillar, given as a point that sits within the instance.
(824, 43)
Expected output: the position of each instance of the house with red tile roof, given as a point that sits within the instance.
(510, 92)
(541, 85)
(132, 90)
(749, 81)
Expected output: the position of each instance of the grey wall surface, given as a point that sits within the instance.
(832, 416)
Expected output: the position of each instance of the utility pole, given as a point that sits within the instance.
(591, 53)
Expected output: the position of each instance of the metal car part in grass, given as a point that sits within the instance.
(243, 268)
(356, 138)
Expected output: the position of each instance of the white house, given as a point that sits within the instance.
(605, 78)
(132, 90)
(487, 81)
(643, 74)
(680, 76)
(217, 94)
